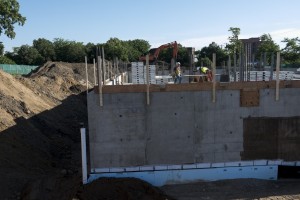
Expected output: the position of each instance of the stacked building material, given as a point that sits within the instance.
(284, 75)
(139, 73)
(264, 76)
(152, 74)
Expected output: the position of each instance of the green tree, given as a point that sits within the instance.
(115, 48)
(28, 55)
(136, 48)
(45, 49)
(12, 55)
(69, 51)
(6, 60)
(205, 55)
(1, 48)
(291, 51)
(90, 50)
(234, 42)
(9, 15)
(267, 45)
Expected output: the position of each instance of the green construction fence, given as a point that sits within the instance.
(17, 69)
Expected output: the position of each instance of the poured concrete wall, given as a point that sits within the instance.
(183, 126)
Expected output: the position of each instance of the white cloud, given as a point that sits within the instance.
(279, 35)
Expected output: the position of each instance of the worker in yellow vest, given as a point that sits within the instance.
(206, 71)
(177, 73)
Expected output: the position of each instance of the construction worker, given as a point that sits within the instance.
(206, 71)
(177, 72)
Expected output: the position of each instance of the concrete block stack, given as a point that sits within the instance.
(264, 76)
(137, 72)
(152, 74)
(284, 75)
(260, 75)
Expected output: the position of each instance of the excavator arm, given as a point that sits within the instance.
(164, 46)
(157, 51)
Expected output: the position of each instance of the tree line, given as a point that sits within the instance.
(43, 50)
(290, 53)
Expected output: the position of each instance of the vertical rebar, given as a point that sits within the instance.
(272, 66)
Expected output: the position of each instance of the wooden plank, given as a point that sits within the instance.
(205, 86)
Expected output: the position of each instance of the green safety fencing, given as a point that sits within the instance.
(17, 69)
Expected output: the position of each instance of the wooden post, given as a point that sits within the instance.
(277, 75)
(114, 72)
(117, 72)
(147, 79)
(234, 66)
(214, 78)
(103, 67)
(87, 76)
(110, 70)
(95, 82)
(100, 80)
(229, 66)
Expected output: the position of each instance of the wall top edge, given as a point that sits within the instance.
(206, 86)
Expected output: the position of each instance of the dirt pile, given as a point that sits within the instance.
(40, 117)
(121, 189)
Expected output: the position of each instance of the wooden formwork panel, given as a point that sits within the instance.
(249, 97)
(271, 138)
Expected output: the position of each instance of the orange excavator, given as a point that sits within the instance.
(153, 57)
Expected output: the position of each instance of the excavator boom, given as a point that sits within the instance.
(157, 51)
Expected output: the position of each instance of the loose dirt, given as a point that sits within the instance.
(40, 118)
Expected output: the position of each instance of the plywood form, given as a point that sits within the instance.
(249, 97)
(271, 138)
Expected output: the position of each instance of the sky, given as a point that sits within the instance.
(192, 23)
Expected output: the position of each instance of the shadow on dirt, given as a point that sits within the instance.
(42, 152)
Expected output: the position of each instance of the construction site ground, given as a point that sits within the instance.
(40, 156)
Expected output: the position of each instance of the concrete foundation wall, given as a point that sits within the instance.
(183, 126)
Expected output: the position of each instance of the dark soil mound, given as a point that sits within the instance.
(121, 189)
